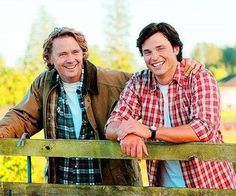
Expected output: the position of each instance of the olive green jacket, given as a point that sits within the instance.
(37, 111)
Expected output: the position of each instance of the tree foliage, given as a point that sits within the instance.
(13, 85)
(14, 169)
(96, 56)
(221, 61)
(32, 60)
(15, 81)
(2, 63)
(229, 59)
(117, 34)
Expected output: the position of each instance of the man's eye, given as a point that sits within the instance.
(161, 48)
(146, 53)
(62, 54)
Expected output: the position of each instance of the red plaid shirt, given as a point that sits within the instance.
(193, 100)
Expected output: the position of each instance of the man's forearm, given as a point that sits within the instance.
(111, 130)
(179, 134)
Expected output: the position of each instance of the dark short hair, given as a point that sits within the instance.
(167, 30)
(61, 32)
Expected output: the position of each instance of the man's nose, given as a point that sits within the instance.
(70, 58)
(155, 55)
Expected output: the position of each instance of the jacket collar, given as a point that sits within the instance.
(90, 78)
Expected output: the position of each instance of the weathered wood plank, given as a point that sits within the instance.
(111, 150)
(56, 189)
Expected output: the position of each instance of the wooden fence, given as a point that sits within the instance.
(108, 150)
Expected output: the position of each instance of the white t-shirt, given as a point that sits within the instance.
(171, 174)
(74, 105)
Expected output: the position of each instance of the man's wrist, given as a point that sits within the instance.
(153, 131)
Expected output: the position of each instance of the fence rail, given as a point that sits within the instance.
(110, 150)
(7, 188)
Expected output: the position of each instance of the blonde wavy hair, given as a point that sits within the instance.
(60, 32)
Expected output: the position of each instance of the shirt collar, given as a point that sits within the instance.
(179, 77)
(89, 78)
(79, 85)
(153, 81)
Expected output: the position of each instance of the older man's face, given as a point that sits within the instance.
(67, 57)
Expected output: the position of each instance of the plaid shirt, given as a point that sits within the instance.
(75, 170)
(193, 100)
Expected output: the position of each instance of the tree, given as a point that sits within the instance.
(32, 60)
(3, 81)
(96, 56)
(211, 56)
(117, 35)
(229, 58)
(208, 53)
(13, 169)
(2, 63)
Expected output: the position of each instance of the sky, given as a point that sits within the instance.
(196, 21)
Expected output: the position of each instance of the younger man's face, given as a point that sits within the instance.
(160, 57)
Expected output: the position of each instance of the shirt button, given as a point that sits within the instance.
(58, 109)
(76, 166)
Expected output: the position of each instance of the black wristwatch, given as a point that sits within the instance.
(153, 130)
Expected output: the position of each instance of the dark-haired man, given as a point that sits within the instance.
(173, 108)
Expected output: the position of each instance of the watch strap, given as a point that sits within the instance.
(153, 135)
(153, 131)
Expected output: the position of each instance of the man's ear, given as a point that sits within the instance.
(176, 50)
(49, 61)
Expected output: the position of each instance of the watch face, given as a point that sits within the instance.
(153, 128)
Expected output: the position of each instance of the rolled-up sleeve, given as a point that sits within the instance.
(205, 107)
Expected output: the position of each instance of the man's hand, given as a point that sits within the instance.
(133, 146)
(191, 66)
(1, 135)
(132, 126)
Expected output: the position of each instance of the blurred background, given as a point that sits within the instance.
(206, 27)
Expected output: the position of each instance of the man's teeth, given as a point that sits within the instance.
(71, 67)
(158, 64)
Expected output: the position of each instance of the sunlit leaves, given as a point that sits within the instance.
(221, 61)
